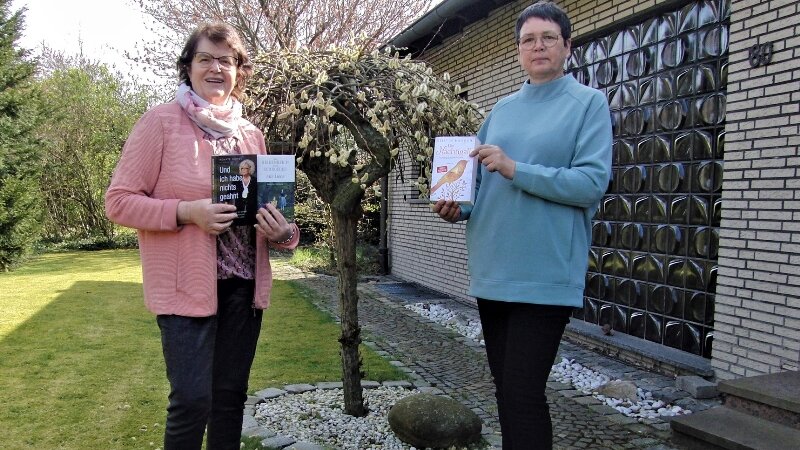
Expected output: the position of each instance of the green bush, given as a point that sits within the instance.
(319, 258)
(312, 216)
(125, 238)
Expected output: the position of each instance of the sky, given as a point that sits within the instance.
(106, 28)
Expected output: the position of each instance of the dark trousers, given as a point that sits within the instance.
(208, 363)
(521, 344)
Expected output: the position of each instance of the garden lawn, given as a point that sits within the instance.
(80, 357)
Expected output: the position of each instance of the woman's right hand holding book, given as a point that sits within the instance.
(213, 218)
(448, 210)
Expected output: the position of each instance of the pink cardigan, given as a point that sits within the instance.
(166, 160)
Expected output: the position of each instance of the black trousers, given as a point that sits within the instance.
(521, 344)
(208, 363)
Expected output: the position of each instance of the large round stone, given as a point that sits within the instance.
(425, 420)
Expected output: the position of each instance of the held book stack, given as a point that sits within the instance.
(251, 182)
(453, 171)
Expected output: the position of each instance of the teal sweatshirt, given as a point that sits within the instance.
(528, 238)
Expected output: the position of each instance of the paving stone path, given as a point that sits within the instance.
(457, 366)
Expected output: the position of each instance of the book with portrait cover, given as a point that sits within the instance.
(251, 181)
(453, 171)
(233, 181)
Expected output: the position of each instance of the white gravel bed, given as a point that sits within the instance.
(469, 328)
(317, 416)
(588, 381)
(567, 371)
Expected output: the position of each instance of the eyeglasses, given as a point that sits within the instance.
(529, 42)
(206, 60)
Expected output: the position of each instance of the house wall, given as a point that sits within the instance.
(757, 317)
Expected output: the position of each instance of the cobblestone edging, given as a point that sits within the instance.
(437, 357)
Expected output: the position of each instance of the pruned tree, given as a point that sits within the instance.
(351, 116)
(276, 24)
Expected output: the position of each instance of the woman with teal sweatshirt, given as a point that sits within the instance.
(545, 164)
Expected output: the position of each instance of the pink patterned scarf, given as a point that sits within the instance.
(220, 122)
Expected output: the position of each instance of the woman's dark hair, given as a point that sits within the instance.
(218, 33)
(548, 11)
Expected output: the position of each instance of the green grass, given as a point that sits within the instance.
(80, 357)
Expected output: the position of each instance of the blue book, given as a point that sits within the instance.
(276, 183)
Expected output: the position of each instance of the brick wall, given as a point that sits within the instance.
(757, 317)
(588, 16)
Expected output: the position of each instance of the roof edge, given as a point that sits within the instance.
(427, 26)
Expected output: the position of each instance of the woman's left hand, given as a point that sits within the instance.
(271, 223)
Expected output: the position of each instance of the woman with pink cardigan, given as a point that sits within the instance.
(206, 280)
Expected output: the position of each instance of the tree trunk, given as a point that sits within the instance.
(344, 225)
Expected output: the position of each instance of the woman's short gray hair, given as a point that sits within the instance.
(249, 164)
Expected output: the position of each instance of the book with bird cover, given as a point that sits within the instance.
(251, 181)
(453, 171)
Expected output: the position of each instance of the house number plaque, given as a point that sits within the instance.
(760, 54)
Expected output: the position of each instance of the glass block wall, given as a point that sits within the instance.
(653, 261)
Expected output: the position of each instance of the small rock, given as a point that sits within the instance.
(248, 421)
(299, 388)
(269, 393)
(619, 389)
(304, 446)
(278, 442)
(253, 400)
(258, 432)
(402, 384)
